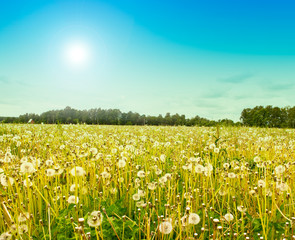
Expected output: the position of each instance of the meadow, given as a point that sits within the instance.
(144, 182)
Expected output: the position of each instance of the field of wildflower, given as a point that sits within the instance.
(140, 182)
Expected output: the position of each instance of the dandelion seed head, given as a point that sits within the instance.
(193, 218)
(280, 169)
(261, 183)
(121, 163)
(27, 167)
(73, 199)
(23, 217)
(136, 197)
(165, 227)
(199, 168)
(6, 181)
(141, 174)
(228, 217)
(242, 209)
(6, 236)
(105, 175)
(95, 219)
(77, 172)
(50, 172)
(152, 186)
(49, 162)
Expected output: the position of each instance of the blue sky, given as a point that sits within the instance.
(206, 58)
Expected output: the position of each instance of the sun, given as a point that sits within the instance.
(77, 54)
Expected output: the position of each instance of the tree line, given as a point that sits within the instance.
(258, 116)
(269, 116)
(112, 117)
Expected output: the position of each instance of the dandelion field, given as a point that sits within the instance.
(139, 182)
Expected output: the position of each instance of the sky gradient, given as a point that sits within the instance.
(206, 58)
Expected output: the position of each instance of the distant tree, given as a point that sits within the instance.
(226, 122)
(168, 119)
(69, 115)
(291, 117)
(268, 116)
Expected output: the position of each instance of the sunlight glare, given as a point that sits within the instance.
(77, 54)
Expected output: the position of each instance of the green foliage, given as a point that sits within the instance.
(258, 116)
(117, 209)
(62, 228)
(130, 228)
(269, 116)
(112, 117)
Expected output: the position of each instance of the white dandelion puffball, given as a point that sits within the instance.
(73, 199)
(95, 219)
(226, 165)
(212, 146)
(283, 187)
(140, 203)
(228, 217)
(6, 181)
(166, 227)
(6, 236)
(141, 174)
(27, 183)
(77, 172)
(105, 175)
(27, 167)
(162, 180)
(121, 163)
(22, 229)
(158, 171)
(261, 183)
(199, 168)
(193, 218)
(216, 150)
(241, 208)
(136, 197)
(141, 192)
(50, 172)
(93, 151)
(231, 175)
(152, 186)
(73, 187)
(256, 159)
(49, 162)
(168, 176)
(58, 170)
(23, 217)
(280, 169)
